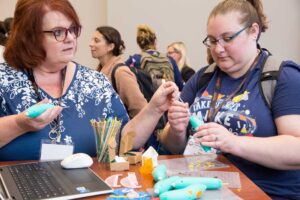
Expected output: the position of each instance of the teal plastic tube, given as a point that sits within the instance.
(160, 172)
(196, 123)
(38, 109)
(210, 183)
(189, 193)
(164, 185)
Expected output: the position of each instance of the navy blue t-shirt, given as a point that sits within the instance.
(246, 114)
(89, 96)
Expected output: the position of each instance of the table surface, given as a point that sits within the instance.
(247, 191)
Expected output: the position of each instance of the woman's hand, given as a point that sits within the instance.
(216, 136)
(164, 96)
(178, 116)
(37, 123)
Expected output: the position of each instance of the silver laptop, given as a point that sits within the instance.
(48, 180)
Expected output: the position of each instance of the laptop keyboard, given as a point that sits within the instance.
(35, 182)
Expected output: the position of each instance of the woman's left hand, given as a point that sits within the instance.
(164, 96)
(216, 136)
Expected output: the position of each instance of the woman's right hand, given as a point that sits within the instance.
(178, 116)
(33, 124)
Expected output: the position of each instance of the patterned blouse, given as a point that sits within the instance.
(89, 96)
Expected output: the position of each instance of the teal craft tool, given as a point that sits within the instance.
(38, 109)
(189, 193)
(164, 185)
(210, 183)
(196, 123)
(160, 172)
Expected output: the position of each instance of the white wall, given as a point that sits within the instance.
(92, 13)
(174, 20)
(7, 8)
(283, 36)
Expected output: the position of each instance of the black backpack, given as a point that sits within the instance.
(268, 77)
(145, 84)
(143, 79)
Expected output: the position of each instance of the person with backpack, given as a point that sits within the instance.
(158, 65)
(261, 139)
(133, 85)
(107, 46)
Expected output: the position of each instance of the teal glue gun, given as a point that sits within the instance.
(210, 183)
(38, 109)
(159, 173)
(196, 123)
(164, 185)
(189, 193)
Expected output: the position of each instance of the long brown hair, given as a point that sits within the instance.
(24, 48)
(111, 36)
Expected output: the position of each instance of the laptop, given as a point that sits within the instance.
(48, 180)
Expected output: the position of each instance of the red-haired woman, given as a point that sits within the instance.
(39, 67)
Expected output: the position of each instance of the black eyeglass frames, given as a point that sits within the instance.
(211, 42)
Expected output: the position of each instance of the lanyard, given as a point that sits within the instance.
(213, 110)
(55, 133)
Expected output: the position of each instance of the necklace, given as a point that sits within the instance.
(213, 109)
(55, 133)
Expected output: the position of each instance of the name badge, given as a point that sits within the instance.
(55, 151)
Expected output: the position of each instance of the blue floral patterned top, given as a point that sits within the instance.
(89, 96)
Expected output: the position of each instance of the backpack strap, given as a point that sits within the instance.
(267, 82)
(268, 77)
(206, 76)
(154, 54)
(113, 78)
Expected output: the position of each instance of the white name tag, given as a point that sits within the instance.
(55, 151)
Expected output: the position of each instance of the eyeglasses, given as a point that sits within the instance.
(61, 34)
(172, 52)
(223, 41)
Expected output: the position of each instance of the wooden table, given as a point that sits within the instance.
(248, 191)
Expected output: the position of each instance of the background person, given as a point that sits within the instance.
(2, 40)
(262, 142)
(5, 27)
(177, 50)
(7, 24)
(107, 46)
(147, 41)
